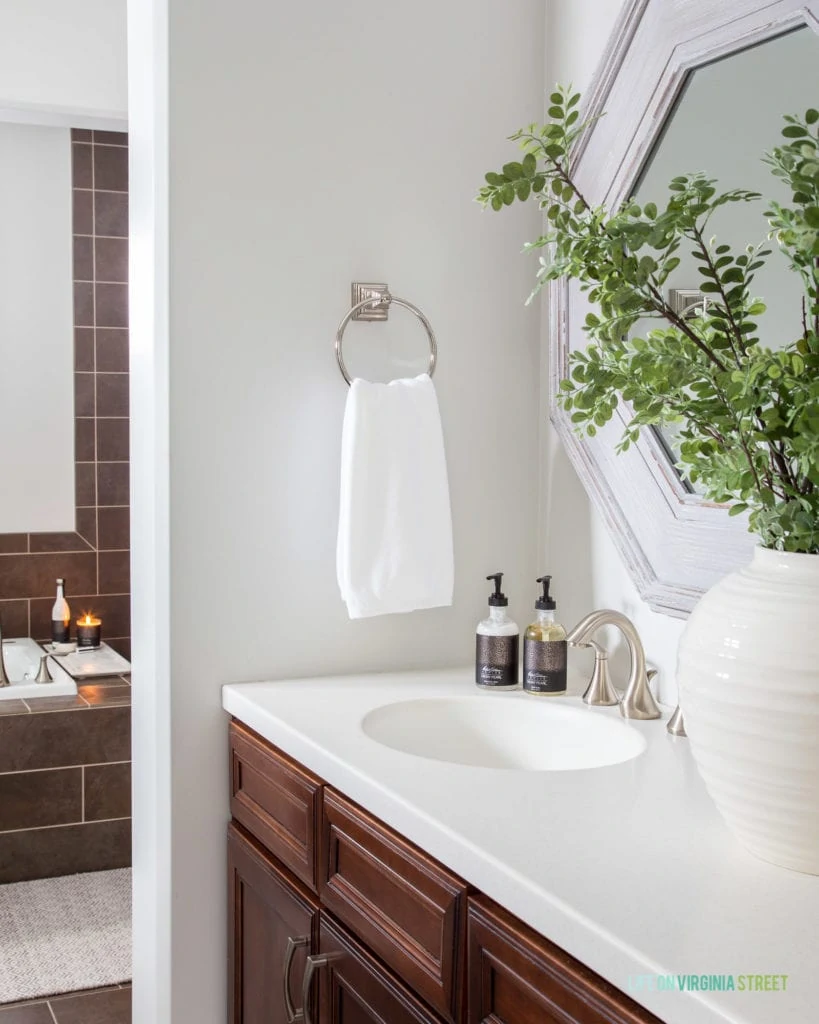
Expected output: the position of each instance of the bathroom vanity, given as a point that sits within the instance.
(371, 883)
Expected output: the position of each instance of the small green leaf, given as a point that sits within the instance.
(812, 116)
(557, 112)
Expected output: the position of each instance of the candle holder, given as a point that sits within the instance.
(89, 633)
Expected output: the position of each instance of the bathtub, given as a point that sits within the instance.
(22, 659)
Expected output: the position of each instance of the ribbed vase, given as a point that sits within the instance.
(749, 688)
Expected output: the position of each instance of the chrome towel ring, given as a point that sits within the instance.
(375, 306)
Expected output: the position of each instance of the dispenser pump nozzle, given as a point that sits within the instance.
(497, 600)
(545, 602)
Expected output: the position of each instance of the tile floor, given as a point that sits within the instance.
(97, 1006)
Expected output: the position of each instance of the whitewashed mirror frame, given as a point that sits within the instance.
(674, 544)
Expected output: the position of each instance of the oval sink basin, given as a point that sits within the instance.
(497, 732)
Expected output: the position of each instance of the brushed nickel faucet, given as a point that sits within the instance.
(638, 701)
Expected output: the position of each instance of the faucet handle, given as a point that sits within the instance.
(641, 704)
(600, 692)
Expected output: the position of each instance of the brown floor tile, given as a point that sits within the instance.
(112, 1007)
(85, 992)
(29, 1013)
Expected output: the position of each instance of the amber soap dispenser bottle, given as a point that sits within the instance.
(544, 648)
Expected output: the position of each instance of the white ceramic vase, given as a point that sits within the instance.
(748, 673)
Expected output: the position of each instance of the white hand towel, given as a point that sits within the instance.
(395, 525)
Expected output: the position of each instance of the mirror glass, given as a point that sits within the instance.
(729, 115)
(36, 333)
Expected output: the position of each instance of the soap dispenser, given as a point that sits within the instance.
(544, 648)
(497, 644)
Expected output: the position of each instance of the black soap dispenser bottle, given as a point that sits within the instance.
(497, 644)
(544, 648)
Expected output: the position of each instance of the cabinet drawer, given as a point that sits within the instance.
(518, 977)
(354, 988)
(275, 799)
(407, 908)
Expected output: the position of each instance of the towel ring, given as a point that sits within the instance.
(385, 299)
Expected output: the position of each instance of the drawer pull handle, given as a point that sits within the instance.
(294, 1016)
(313, 964)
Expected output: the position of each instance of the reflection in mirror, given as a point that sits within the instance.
(36, 333)
(729, 115)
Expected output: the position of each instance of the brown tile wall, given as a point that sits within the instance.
(65, 761)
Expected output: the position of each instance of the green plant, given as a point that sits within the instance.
(749, 415)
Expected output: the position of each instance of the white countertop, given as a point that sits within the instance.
(629, 868)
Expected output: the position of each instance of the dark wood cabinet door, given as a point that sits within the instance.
(272, 929)
(518, 977)
(352, 987)
(408, 908)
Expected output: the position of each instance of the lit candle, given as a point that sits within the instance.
(89, 629)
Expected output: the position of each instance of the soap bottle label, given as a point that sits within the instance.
(544, 666)
(496, 660)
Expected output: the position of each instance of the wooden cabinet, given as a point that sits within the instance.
(353, 987)
(272, 929)
(518, 977)
(275, 799)
(337, 919)
(404, 905)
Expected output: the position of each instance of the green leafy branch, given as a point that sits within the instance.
(748, 415)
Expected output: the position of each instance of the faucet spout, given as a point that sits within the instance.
(638, 701)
